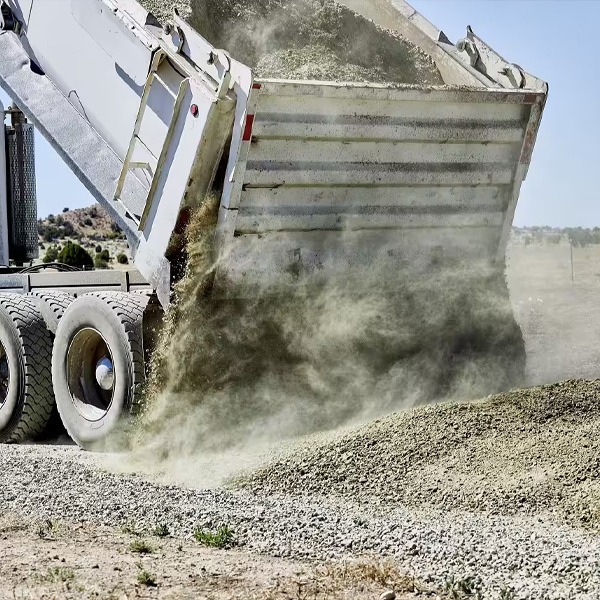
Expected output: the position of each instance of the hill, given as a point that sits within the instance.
(90, 227)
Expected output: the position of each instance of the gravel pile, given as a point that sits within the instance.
(304, 39)
(526, 452)
(536, 559)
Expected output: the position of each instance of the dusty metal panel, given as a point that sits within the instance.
(408, 166)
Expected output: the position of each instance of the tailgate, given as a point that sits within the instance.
(337, 176)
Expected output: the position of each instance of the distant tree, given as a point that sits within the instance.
(87, 221)
(76, 256)
(93, 212)
(59, 220)
(51, 255)
(105, 255)
(50, 218)
(122, 258)
(98, 249)
(68, 228)
(66, 209)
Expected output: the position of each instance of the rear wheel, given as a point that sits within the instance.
(98, 363)
(52, 305)
(26, 397)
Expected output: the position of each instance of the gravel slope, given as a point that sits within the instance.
(525, 452)
(537, 558)
(304, 39)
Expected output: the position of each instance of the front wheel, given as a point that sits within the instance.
(98, 363)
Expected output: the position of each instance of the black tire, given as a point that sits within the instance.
(26, 400)
(52, 305)
(98, 325)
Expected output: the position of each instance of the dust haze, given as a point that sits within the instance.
(231, 377)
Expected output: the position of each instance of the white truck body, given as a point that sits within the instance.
(319, 174)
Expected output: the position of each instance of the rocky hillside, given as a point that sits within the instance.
(90, 227)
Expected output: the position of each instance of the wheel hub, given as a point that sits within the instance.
(90, 373)
(105, 376)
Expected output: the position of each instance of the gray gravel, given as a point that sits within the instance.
(530, 452)
(537, 558)
(304, 39)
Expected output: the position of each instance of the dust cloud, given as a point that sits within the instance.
(231, 378)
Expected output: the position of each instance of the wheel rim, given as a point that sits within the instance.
(4, 375)
(90, 374)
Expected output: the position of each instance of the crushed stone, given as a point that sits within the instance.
(304, 39)
(526, 452)
(519, 557)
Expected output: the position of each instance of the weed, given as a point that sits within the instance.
(47, 529)
(223, 538)
(146, 578)
(141, 547)
(57, 575)
(161, 530)
(459, 589)
(130, 529)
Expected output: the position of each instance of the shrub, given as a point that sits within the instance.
(51, 255)
(105, 255)
(66, 209)
(99, 262)
(122, 258)
(98, 249)
(141, 547)
(76, 256)
(223, 538)
(87, 221)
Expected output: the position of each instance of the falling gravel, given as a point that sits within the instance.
(535, 558)
(527, 452)
(304, 39)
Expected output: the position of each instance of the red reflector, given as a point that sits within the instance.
(256, 86)
(248, 128)
(194, 110)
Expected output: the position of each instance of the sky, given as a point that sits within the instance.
(552, 39)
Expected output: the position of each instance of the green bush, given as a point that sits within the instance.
(98, 249)
(99, 262)
(105, 255)
(122, 258)
(76, 256)
(51, 255)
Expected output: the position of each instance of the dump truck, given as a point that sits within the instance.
(314, 179)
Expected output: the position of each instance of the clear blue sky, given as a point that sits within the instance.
(553, 39)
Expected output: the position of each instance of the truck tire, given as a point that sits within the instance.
(52, 305)
(26, 397)
(98, 363)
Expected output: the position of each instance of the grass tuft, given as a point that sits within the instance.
(222, 538)
(161, 530)
(146, 578)
(141, 547)
(57, 575)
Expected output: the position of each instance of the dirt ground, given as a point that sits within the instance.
(51, 560)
